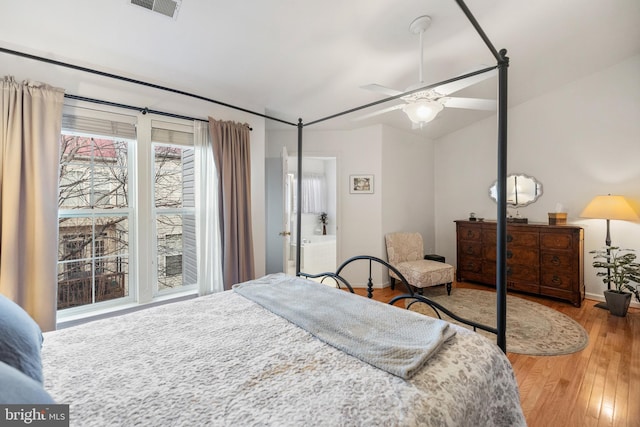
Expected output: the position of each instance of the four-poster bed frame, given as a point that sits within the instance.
(502, 67)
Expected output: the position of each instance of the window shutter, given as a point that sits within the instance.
(189, 264)
(168, 136)
(121, 127)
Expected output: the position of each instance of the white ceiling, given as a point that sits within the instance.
(293, 58)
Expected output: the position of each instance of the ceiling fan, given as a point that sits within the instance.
(423, 106)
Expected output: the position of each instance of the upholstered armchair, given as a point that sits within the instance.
(405, 251)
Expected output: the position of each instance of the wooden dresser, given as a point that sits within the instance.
(542, 259)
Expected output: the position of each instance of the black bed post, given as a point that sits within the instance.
(501, 232)
(501, 227)
(299, 200)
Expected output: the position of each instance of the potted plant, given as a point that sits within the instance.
(324, 219)
(620, 268)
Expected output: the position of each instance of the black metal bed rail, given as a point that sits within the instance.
(438, 309)
(338, 279)
(409, 295)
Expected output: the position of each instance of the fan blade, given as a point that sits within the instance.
(471, 103)
(376, 113)
(381, 89)
(452, 87)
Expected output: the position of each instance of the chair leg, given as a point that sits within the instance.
(449, 288)
(393, 283)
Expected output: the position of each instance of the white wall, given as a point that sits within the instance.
(408, 185)
(357, 152)
(402, 165)
(579, 141)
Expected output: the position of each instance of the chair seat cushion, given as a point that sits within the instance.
(423, 273)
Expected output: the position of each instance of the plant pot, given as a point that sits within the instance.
(617, 302)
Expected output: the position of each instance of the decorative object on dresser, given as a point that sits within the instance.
(557, 218)
(621, 268)
(541, 259)
(609, 207)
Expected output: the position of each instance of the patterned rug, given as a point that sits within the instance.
(532, 328)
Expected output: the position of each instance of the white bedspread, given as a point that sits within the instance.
(222, 360)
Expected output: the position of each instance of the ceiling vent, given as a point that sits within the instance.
(165, 7)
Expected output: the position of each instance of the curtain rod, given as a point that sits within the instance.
(144, 110)
(139, 82)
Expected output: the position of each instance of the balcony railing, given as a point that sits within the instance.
(77, 291)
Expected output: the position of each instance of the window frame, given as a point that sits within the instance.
(175, 127)
(127, 212)
(142, 256)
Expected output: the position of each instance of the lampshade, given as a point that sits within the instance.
(422, 111)
(610, 207)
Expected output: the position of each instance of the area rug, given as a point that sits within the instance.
(532, 328)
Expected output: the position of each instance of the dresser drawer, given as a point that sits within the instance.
(473, 233)
(556, 240)
(514, 237)
(515, 255)
(470, 264)
(533, 288)
(556, 280)
(556, 260)
(470, 248)
(519, 272)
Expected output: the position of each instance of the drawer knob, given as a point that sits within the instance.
(469, 250)
(556, 280)
(509, 238)
(469, 233)
(509, 254)
(555, 260)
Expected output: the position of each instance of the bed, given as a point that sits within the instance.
(224, 359)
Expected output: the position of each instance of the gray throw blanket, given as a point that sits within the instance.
(390, 338)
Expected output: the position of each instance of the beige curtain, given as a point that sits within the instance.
(29, 138)
(231, 154)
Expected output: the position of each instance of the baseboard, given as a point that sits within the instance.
(600, 297)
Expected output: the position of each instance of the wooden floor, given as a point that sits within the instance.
(598, 386)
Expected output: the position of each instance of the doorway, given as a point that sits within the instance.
(319, 241)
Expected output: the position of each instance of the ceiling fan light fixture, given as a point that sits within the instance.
(421, 112)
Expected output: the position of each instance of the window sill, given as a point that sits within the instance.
(68, 320)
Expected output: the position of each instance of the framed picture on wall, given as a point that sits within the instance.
(361, 184)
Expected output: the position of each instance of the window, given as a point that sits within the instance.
(174, 209)
(94, 214)
(108, 179)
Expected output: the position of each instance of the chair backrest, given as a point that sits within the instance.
(403, 247)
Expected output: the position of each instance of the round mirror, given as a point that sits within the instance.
(522, 190)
